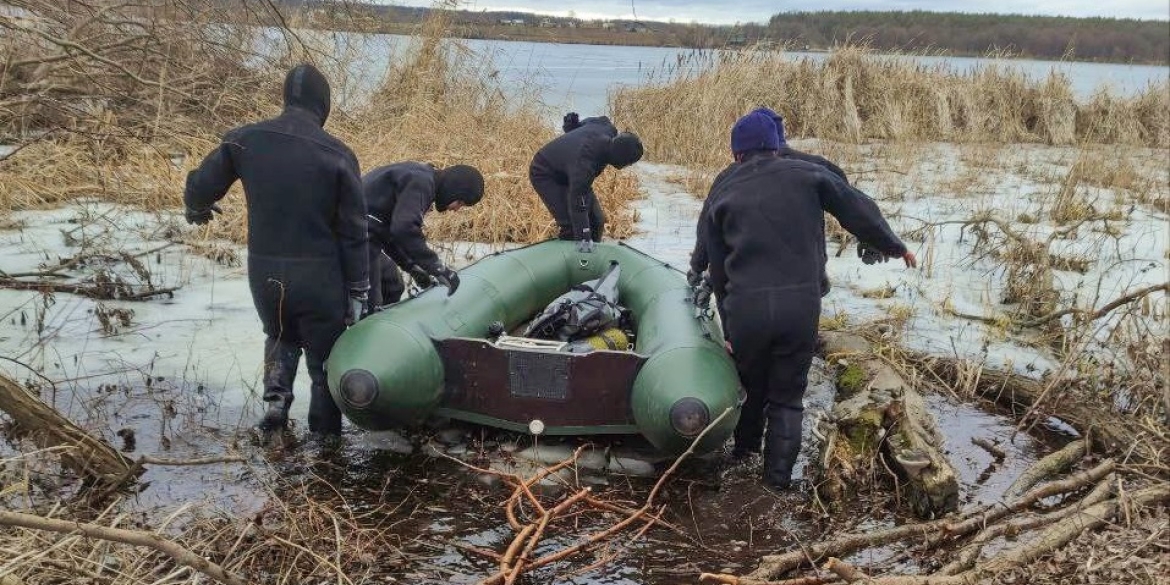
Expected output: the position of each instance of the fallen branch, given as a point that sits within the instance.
(1054, 537)
(1088, 316)
(151, 460)
(734, 580)
(940, 530)
(1072, 483)
(1107, 431)
(88, 456)
(970, 552)
(173, 550)
(845, 570)
(88, 290)
(1046, 467)
(510, 573)
(990, 447)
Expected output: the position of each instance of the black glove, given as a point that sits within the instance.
(356, 309)
(421, 277)
(571, 122)
(446, 277)
(869, 254)
(202, 217)
(694, 278)
(703, 293)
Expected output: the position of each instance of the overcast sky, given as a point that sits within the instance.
(732, 11)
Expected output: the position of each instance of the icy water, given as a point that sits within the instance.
(580, 77)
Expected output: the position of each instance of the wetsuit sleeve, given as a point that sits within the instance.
(406, 224)
(699, 260)
(210, 182)
(717, 251)
(380, 237)
(859, 215)
(581, 174)
(352, 228)
(836, 170)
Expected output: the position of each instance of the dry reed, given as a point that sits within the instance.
(126, 117)
(685, 113)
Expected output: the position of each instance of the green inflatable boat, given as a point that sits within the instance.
(432, 355)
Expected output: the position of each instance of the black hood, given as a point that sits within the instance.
(458, 183)
(625, 149)
(305, 87)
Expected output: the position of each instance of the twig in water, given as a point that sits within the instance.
(990, 447)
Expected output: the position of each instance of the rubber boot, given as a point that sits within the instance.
(750, 430)
(324, 415)
(280, 372)
(781, 446)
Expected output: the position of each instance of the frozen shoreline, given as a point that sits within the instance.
(208, 335)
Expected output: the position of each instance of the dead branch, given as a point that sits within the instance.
(722, 579)
(990, 447)
(1046, 467)
(845, 570)
(151, 460)
(1054, 537)
(86, 289)
(939, 530)
(86, 455)
(1107, 431)
(1090, 316)
(1074, 482)
(176, 552)
(970, 552)
(509, 572)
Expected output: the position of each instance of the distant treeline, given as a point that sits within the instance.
(1048, 37)
(1042, 37)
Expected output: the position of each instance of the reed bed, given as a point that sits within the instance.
(685, 112)
(127, 117)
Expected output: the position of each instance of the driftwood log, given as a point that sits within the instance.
(91, 458)
(878, 415)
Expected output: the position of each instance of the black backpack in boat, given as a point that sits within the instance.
(587, 309)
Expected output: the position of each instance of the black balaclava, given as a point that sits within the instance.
(625, 149)
(305, 87)
(458, 183)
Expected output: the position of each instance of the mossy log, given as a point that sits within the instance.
(879, 416)
(90, 457)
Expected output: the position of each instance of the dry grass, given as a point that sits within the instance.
(307, 532)
(437, 102)
(855, 95)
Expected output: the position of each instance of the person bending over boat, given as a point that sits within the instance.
(397, 198)
(563, 171)
(307, 265)
(699, 254)
(765, 233)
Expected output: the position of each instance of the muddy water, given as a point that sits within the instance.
(432, 502)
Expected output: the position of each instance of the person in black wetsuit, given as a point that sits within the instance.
(699, 254)
(307, 264)
(765, 233)
(563, 171)
(397, 198)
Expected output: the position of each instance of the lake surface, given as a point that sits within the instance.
(579, 77)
